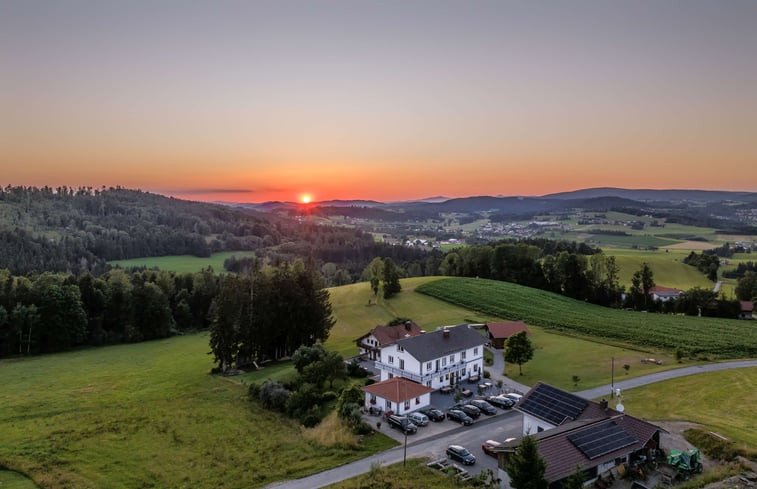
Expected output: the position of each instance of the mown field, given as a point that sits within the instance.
(182, 263)
(149, 415)
(14, 480)
(723, 401)
(667, 266)
(703, 336)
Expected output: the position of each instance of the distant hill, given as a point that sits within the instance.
(656, 195)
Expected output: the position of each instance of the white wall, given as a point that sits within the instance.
(531, 425)
(398, 408)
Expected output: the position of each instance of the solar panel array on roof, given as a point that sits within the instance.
(600, 440)
(553, 405)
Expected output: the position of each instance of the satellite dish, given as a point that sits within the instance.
(620, 407)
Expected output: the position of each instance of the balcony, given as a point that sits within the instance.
(422, 379)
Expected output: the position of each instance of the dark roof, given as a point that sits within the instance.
(397, 389)
(552, 405)
(562, 456)
(433, 345)
(507, 329)
(387, 335)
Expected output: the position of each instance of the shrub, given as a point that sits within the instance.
(487, 374)
(355, 370)
(715, 447)
(369, 381)
(350, 412)
(253, 392)
(274, 395)
(329, 396)
(363, 428)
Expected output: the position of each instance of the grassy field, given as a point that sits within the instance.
(667, 266)
(149, 415)
(722, 401)
(14, 480)
(355, 317)
(557, 358)
(704, 336)
(413, 476)
(183, 263)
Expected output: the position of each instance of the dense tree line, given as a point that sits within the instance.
(708, 264)
(268, 313)
(574, 270)
(54, 311)
(741, 270)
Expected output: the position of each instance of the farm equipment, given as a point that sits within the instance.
(685, 462)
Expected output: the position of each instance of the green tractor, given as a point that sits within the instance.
(686, 462)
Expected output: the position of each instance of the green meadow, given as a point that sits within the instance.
(149, 415)
(724, 402)
(182, 263)
(706, 337)
(667, 266)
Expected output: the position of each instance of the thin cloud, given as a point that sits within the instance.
(200, 191)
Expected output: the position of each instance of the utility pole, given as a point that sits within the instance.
(404, 457)
(612, 381)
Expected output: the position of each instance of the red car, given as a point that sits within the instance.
(489, 446)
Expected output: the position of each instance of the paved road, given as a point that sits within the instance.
(497, 427)
(500, 427)
(667, 374)
(499, 367)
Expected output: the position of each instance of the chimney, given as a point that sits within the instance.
(603, 404)
(408, 325)
(445, 333)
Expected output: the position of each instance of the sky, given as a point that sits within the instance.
(387, 100)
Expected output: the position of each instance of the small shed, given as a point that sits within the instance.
(499, 332)
(747, 310)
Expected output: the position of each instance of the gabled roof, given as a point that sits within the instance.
(562, 455)
(397, 389)
(665, 291)
(561, 448)
(552, 405)
(434, 345)
(507, 329)
(747, 306)
(389, 334)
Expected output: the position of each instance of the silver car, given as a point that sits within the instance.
(419, 419)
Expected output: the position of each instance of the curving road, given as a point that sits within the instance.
(494, 427)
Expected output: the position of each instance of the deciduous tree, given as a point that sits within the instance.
(519, 349)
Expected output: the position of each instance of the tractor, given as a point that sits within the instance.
(686, 463)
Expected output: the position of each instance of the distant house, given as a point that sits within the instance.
(747, 310)
(575, 432)
(500, 332)
(437, 359)
(380, 336)
(664, 294)
(397, 394)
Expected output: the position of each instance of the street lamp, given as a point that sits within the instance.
(612, 381)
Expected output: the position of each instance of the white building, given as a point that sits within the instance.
(444, 357)
(398, 395)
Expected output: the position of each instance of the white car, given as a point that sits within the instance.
(515, 397)
(419, 419)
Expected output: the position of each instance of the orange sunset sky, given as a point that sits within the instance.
(384, 100)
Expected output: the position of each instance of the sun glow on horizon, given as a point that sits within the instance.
(306, 198)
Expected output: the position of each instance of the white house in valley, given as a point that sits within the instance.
(438, 359)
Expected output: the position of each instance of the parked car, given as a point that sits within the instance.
(461, 454)
(419, 419)
(432, 413)
(402, 423)
(483, 406)
(489, 446)
(515, 397)
(500, 401)
(471, 411)
(460, 417)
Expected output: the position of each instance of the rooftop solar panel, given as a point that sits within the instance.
(600, 440)
(553, 405)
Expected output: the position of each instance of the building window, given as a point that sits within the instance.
(391, 359)
(446, 377)
(428, 384)
(444, 361)
(475, 368)
(441, 379)
(389, 405)
(373, 399)
(399, 348)
(402, 364)
(462, 355)
(475, 351)
(452, 359)
(428, 366)
(391, 376)
(407, 405)
(417, 400)
(539, 429)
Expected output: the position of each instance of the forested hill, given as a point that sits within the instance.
(79, 229)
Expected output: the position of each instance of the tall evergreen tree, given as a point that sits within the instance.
(526, 468)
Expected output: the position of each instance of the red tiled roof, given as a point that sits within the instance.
(747, 306)
(389, 334)
(660, 289)
(507, 329)
(397, 389)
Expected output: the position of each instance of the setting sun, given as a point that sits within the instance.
(306, 199)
